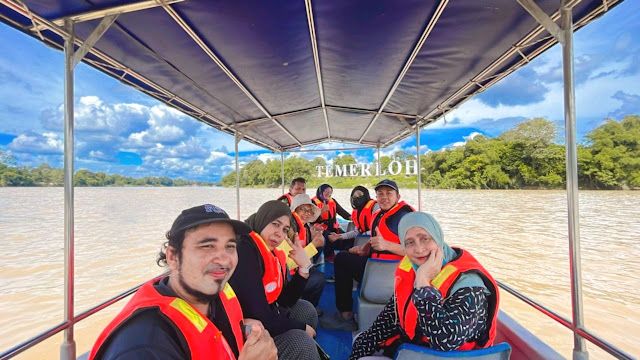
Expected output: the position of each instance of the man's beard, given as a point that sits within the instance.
(199, 295)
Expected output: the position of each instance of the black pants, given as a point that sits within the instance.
(314, 286)
(347, 267)
(330, 247)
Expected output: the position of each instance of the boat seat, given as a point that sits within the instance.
(501, 351)
(375, 291)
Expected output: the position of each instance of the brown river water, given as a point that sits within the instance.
(520, 236)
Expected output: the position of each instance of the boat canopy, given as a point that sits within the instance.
(286, 74)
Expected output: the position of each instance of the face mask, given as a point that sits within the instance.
(359, 202)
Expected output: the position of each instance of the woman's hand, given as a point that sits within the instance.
(333, 237)
(310, 331)
(427, 271)
(298, 255)
(317, 239)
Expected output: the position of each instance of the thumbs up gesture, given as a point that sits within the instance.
(378, 243)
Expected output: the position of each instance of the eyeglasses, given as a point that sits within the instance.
(306, 209)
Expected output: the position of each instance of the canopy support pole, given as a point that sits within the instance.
(68, 346)
(579, 345)
(97, 33)
(238, 137)
(282, 169)
(419, 167)
(378, 161)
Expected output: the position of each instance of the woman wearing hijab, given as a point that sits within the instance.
(361, 216)
(260, 283)
(443, 298)
(303, 213)
(330, 209)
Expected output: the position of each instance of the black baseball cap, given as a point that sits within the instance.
(205, 214)
(388, 183)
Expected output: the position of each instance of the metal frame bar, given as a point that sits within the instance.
(285, 114)
(378, 161)
(579, 345)
(332, 107)
(62, 326)
(329, 150)
(192, 34)
(97, 33)
(316, 61)
(594, 339)
(322, 141)
(526, 41)
(236, 141)
(580, 333)
(109, 63)
(408, 63)
(68, 346)
(543, 19)
(282, 170)
(419, 168)
(114, 10)
(211, 120)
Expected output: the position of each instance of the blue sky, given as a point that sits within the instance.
(120, 130)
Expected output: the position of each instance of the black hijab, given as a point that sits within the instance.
(359, 202)
(268, 212)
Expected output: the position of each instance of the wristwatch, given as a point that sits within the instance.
(305, 270)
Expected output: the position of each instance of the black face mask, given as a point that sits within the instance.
(359, 201)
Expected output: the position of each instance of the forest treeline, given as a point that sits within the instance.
(44, 175)
(525, 157)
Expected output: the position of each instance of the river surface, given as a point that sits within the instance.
(519, 236)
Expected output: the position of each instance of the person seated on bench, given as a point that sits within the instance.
(362, 215)
(263, 288)
(443, 298)
(384, 244)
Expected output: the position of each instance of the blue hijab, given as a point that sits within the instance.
(431, 226)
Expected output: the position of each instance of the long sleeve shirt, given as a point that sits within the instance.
(247, 284)
(447, 323)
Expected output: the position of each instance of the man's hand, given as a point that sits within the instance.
(333, 237)
(378, 243)
(259, 344)
(427, 271)
(362, 250)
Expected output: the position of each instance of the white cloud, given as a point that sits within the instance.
(264, 157)
(46, 143)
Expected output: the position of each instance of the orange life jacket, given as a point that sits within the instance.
(204, 339)
(386, 233)
(275, 268)
(328, 218)
(362, 218)
(288, 197)
(302, 230)
(443, 282)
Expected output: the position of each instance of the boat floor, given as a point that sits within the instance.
(336, 343)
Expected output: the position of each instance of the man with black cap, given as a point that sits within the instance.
(384, 244)
(183, 315)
